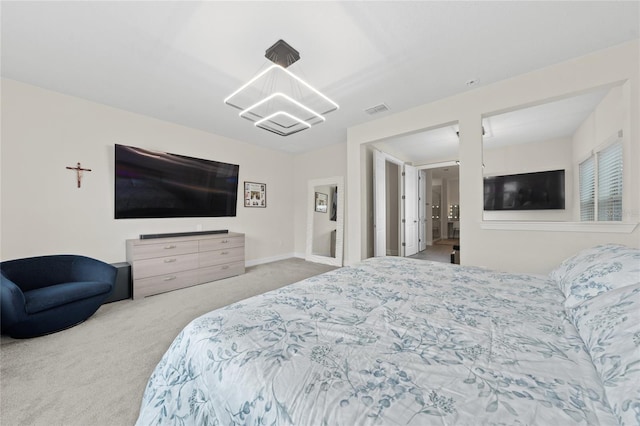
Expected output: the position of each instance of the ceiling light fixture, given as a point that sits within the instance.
(279, 101)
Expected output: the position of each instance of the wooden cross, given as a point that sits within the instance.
(79, 171)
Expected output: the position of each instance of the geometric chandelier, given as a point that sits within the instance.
(279, 101)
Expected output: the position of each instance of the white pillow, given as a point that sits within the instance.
(609, 325)
(597, 270)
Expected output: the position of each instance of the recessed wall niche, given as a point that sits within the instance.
(555, 135)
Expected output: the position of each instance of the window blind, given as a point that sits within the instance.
(610, 183)
(588, 189)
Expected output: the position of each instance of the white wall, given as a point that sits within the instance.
(595, 133)
(323, 163)
(553, 154)
(519, 249)
(43, 212)
(605, 120)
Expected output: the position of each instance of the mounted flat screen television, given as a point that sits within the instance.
(150, 184)
(525, 191)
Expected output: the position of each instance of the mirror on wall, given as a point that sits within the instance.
(522, 144)
(325, 221)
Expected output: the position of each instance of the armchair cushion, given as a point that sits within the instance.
(60, 294)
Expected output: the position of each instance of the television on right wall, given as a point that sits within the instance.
(525, 191)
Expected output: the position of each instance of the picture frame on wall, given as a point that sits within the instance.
(322, 202)
(255, 194)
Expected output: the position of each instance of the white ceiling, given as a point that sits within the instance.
(551, 120)
(177, 61)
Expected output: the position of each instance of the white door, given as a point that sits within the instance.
(379, 205)
(410, 210)
(422, 208)
(436, 221)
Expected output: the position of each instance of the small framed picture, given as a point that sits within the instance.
(255, 194)
(322, 202)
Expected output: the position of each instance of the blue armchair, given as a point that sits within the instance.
(45, 294)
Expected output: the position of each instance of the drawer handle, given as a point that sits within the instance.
(224, 241)
(224, 252)
(172, 246)
(170, 260)
(171, 278)
(225, 266)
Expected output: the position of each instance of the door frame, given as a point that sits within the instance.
(379, 195)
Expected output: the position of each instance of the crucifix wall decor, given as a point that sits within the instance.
(79, 170)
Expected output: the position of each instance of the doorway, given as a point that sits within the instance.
(395, 207)
(443, 194)
(423, 197)
(403, 195)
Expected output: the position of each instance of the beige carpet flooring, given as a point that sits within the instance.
(95, 373)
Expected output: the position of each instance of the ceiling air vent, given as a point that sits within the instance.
(376, 109)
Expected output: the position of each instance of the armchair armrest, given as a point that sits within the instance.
(88, 269)
(12, 303)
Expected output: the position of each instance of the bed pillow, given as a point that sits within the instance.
(596, 270)
(609, 325)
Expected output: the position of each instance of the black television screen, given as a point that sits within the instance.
(150, 184)
(525, 191)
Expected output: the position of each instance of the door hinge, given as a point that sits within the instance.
(404, 244)
(403, 197)
(402, 173)
(403, 221)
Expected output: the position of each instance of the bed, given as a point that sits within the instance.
(396, 341)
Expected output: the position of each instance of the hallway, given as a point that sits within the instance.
(439, 252)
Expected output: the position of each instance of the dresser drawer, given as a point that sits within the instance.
(221, 243)
(148, 251)
(164, 265)
(163, 283)
(218, 272)
(219, 257)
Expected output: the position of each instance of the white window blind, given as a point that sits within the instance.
(588, 189)
(601, 177)
(610, 182)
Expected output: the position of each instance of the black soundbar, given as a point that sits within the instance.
(182, 234)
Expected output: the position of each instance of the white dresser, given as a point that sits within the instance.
(164, 264)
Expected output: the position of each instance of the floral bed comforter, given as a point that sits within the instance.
(391, 341)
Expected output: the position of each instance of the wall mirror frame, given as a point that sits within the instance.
(316, 233)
